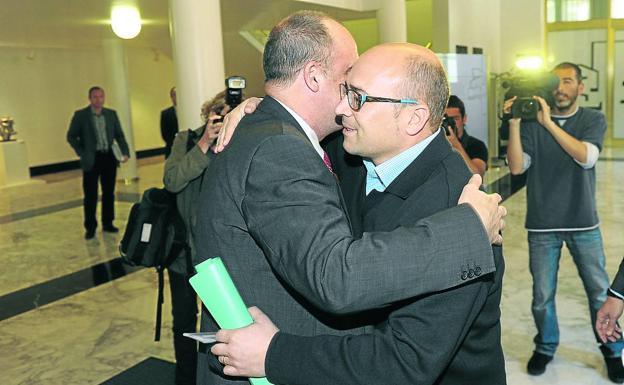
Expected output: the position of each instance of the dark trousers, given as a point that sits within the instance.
(104, 171)
(184, 309)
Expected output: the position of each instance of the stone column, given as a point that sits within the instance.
(197, 42)
(117, 93)
(391, 17)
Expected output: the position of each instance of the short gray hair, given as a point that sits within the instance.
(425, 81)
(296, 40)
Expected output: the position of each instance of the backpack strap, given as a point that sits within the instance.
(159, 303)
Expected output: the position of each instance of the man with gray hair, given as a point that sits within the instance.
(281, 225)
(405, 170)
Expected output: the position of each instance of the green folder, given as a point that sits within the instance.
(216, 290)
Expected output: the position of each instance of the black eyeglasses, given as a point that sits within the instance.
(356, 100)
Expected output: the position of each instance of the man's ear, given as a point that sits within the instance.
(419, 117)
(311, 75)
(581, 89)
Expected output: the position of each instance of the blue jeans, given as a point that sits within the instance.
(588, 255)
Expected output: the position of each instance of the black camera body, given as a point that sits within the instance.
(525, 86)
(234, 90)
(448, 124)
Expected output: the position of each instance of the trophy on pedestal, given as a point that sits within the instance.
(6, 128)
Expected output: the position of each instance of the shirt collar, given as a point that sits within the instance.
(381, 176)
(565, 116)
(306, 129)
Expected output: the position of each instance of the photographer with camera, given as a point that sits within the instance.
(184, 170)
(474, 151)
(560, 150)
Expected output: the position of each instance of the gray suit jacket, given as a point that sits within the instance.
(270, 208)
(81, 135)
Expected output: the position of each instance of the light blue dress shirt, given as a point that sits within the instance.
(379, 177)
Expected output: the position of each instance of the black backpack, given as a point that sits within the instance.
(155, 236)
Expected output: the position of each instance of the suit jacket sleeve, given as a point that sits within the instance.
(119, 135)
(167, 131)
(181, 167)
(288, 190)
(413, 347)
(163, 125)
(618, 281)
(74, 137)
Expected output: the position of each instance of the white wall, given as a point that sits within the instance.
(151, 76)
(42, 87)
(502, 28)
(522, 30)
(475, 23)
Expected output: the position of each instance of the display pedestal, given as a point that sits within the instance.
(14, 164)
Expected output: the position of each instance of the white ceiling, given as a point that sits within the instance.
(80, 23)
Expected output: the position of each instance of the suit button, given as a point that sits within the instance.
(477, 271)
(464, 275)
(471, 273)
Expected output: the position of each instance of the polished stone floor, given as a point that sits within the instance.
(86, 335)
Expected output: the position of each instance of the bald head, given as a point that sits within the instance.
(415, 70)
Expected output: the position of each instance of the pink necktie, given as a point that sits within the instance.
(327, 162)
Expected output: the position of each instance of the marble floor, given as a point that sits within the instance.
(88, 335)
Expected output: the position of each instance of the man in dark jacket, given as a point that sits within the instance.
(92, 133)
(169, 123)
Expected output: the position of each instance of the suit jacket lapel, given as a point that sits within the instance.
(88, 116)
(380, 210)
(421, 168)
(272, 107)
(108, 118)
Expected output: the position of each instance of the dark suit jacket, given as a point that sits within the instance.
(448, 337)
(168, 127)
(270, 208)
(618, 281)
(81, 135)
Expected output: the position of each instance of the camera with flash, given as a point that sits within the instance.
(234, 90)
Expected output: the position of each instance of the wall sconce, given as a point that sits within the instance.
(126, 21)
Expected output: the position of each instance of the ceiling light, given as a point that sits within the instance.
(126, 21)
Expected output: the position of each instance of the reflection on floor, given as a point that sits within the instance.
(82, 335)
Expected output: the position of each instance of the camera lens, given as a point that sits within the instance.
(528, 107)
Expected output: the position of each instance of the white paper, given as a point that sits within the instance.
(204, 338)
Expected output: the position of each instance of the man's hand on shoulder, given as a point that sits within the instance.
(231, 121)
(487, 208)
